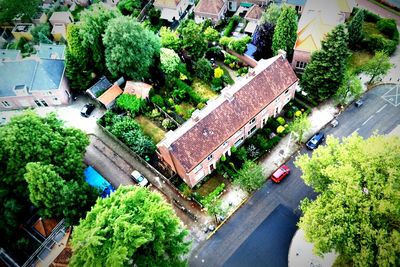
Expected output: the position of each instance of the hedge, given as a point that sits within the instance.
(231, 25)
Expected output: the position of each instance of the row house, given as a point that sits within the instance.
(37, 81)
(193, 150)
(172, 10)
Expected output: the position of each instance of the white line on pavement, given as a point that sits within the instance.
(356, 130)
(379, 110)
(370, 117)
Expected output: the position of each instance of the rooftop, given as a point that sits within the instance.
(166, 3)
(254, 13)
(212, 7)
(102, 84)
(64, 16)
(228, 113)
(9, 54)
(32, 74)
(110, 95)
(48, 51)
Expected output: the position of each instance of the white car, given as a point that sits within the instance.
(139, 178)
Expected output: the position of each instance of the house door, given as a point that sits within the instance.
(212, 168)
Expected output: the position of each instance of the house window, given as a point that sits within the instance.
(6, 104)
(38, 103)
(44, 103)
(252, 130)
(239, 133)
(225, 144)
(239, 142)
(253, 120)
(287, 91)
(210, 157)
(301, 65)
(198, 168)
(277, 100)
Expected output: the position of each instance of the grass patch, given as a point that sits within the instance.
(370, 28)
(359, 59)
(227, 77)
(209, 186)
(184, 110)
(203, 89)
(150, 129)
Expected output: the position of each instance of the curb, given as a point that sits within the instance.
(228, 217)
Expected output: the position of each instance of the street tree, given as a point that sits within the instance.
(41, 33)
(170, 39)
(355, 30)
(30, 138)
(78, 61)
(300, 125)
(211, 34)
(25, 9)
(169, 61)
(263, 40)
(351, 87)
(285, 33)
(357, 211)
(133, 226)
(130, 48)
(250, 177)
(325, 73)
(271, 15)
(92, 26)
(193, 39)
(203, 69)
(377, 66)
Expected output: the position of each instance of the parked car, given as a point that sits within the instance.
(334, 123)
(139, 178)
(315, 141)
(358, 103)
(280, 173)
(87, 110)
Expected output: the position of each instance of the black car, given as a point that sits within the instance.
(358, 103)
(315, 141)
(87, 110)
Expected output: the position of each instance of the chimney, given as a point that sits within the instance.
(282, 53)
(196, 115)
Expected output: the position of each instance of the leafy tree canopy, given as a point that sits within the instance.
(271, 15)
(193, 38)
(10, 9)
(300, 125)
(285, 33)
(133, 225)
(170, 39)
(130, 48)
(351, 87)
(250, 177)
(263, 40)
(377, 66)
(355, 29)
(211, 34)
(169, 61)
(357, 212)
(131, 103)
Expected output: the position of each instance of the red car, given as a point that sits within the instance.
(280, 173)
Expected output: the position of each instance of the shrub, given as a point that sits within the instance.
(272, 123)
(203, 69)
(130, 103)
(253, 151)
(223, 158)
(218, 72)
(370, 17)
(200, 105)
(225, 41)
(213, 195)
(243, 71)
(231, 25)
(183, 87)
(388, 27)
(281, 120)
(240, 45)
(376, 42)
(168, 124)
(298, 113)
(280, 129)
(230, 59)
(216, 84)
(158, 100)
(273, 142)
(154, 114)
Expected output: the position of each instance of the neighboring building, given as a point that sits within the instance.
(5, 36)
(193, 150)
(99, 87)
(210, 9)
(317, 20)
(296, 4)
(172, 10)
(108, 97)
(233, 5)
(34, 82)
(139, 89)
(22, 30)
(40, 18)
(60, 21)
(252, 16)
(111, 3)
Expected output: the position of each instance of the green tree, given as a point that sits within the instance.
(129, 7)
(30, 138)
(10, 9)
(130, 48)
(214, 208)
(325, 73)
(250, 177)
(271, 15)
(92, 26)
(203, 69)
(351, 87)
(357, 211)
(40, 33)
(355, 30)
(285, 33)
(211, 34)
(169, 61)
(170, 39)
(131, 103)
(263, 40)
(193, 39)
(377, 66)
(300, 125)
(132, 226)
(78, 60)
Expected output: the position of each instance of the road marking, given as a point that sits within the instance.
(370, 117)
(393, 97)
(356, 130)
(379, 110)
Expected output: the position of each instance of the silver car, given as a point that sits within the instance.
(139, 178)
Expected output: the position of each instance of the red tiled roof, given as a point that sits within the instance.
(254, 13)
(209, 6)
(110, 95)
(226, 119)
(166, 3)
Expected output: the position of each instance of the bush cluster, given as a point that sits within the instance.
(158, 100)
(233, 22)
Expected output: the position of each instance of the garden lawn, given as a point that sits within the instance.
(203, 89)
(212, 183)
(184, 110)
(358, 59)
(370, 28)
(227, 76)
(150, 129)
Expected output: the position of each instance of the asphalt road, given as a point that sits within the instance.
(259, 234)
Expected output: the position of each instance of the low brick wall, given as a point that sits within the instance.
(244, 58)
